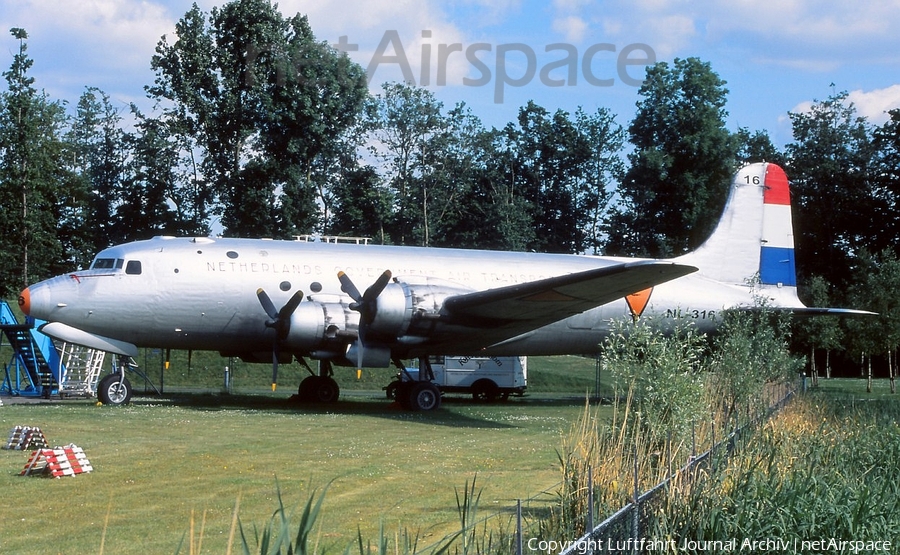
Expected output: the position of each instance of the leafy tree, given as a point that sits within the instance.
(875, 285)
(886, 183)
(602, 168)
(406, 124)
(548, 156)
(683, 160)
(260, 101)
(833, 200)
(819, 332)
(156, 198)
(97, 156)
(31, 175)
(757, 147)
(362, 205)
(487, 212)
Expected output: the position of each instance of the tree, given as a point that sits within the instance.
(833, 199)
(406, 123)
(486, 212)
(886, 183)
(261, 102)
(680, 170)
(548, 157)
(156, 198)
(876, 281)
(97, 155)
(819, 332)
(602, 168)
(362, 204)
(757, 147)
(31, 175)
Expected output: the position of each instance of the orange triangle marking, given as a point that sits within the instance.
(637, 302)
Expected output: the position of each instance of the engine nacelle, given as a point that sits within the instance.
(315, 325)
(324, 326)
(409, 298)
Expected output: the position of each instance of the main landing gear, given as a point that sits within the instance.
(321, 388)
(415, 394)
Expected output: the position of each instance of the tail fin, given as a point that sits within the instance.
(754, 239)
(753, 244)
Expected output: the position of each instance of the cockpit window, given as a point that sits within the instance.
(105, 264)
(133, 267)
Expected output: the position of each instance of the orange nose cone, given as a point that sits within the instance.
(25, 301)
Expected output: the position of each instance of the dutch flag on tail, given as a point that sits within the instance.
(776, 257)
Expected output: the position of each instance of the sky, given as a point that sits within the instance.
(496, 55)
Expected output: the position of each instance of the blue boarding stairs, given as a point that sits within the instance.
(35, 367)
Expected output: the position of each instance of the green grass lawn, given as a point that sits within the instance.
(189, 455)
(161, 459)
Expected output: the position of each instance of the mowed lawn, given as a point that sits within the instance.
(162, 459)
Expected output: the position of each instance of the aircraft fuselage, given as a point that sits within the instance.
(200, 293)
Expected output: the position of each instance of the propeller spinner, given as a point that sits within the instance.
(366, 304)
(280, 321)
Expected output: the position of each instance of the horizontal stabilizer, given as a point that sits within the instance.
(814, 311)
(63, 332)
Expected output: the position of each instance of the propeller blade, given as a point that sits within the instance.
(284, 315)
(289, 307)
(365, 304)
(376, 288)
(275, 356)
(348, 287)
(267, 303)
(281, 321)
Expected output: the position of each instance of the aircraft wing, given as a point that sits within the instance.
(523, 307)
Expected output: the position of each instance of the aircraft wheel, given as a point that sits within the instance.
(392, 389)
(485, 391)
(404, 394)
(111, 392)
(424, 396)
(307, 387)
(325, 390)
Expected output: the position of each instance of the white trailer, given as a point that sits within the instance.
(485, 378)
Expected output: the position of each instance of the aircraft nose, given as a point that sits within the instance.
(25, 301)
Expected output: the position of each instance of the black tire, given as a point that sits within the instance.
(485, 391)
(392, 389)
(404, 394)
(111, 392)
(325, 390)
(424, 396)
(307, 386)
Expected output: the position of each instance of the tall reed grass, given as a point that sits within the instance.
(678, 394)
(820, 470)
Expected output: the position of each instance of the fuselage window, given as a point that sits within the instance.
(133, 267)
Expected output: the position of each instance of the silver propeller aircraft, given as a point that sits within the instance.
(265, 300)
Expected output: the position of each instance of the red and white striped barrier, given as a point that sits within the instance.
(62, 461)
(22, 438)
